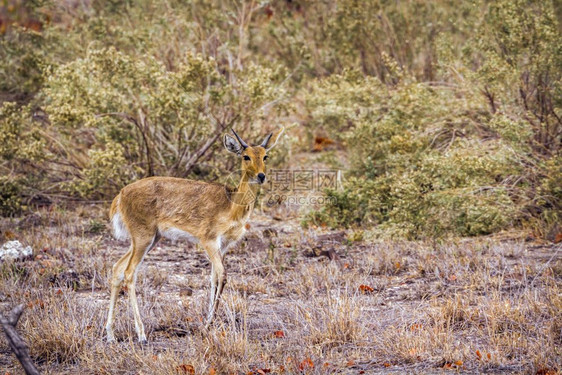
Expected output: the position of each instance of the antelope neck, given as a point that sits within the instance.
(244, 198)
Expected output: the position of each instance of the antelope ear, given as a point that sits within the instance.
(271, 139)
(232, 144)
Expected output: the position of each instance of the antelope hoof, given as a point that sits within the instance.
(142, 339)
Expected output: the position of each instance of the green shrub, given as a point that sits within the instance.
(430, 160)
(449, 113)
(10, 196)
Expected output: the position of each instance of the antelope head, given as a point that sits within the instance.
(253, 157)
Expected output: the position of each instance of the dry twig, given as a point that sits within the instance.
(17, 344)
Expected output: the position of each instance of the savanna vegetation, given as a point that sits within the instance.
(444, 119)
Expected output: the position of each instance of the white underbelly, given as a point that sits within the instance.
(176, 234)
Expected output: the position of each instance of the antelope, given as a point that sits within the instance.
(212, 214)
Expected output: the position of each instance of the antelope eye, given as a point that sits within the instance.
(246, 157)
(265, 158)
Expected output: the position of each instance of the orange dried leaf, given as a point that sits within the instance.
(350, 363)
(279, 334)
(447, 365)
(366, 289)
(415, 327)
(546, 371)
(478, 354)
(452, 277)
(320, 143)
(386, 364)
(306, 364)
(489, 356)
(458, 363)
(185, 369)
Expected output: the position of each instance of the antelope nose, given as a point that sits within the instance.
(261, 178)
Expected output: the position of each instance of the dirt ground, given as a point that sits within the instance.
(297, 301)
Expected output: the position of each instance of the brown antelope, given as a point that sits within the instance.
(213, 214)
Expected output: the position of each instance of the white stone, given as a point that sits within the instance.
(14, 250)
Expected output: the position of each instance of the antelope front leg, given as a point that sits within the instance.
(218, 279)
(217, 285)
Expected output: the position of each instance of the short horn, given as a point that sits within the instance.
(242, 143)
(266, 140)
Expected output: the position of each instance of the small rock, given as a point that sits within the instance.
(14, 250)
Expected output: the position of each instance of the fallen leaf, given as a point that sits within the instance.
(268, 12)
(489, 356)
(366, 289)
(306, 364)
(212, 371)
(386, 364)
(279, 334)
(458, 363)
(479, 355)
(350, 363)
(185, 369)
(9, 235)
(452, 277)
(546, 371)
(320, 143)
(415, 327)
(447, 366)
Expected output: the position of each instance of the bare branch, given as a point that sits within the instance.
(203, 149)
(17, 344)
(142, 129)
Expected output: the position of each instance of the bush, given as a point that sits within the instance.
(462, 159)
(449, 112)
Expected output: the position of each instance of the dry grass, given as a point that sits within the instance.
(479, 305)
